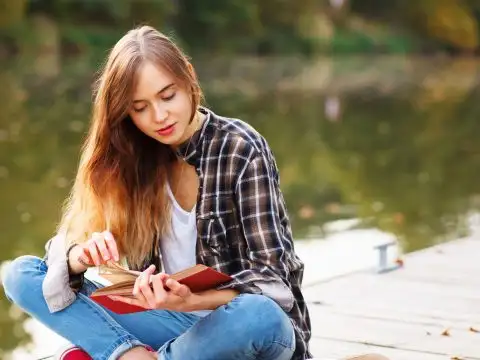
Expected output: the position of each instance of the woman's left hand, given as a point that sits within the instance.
(160, 292)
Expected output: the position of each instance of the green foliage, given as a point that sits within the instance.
(451, 23)
(12, 12)
(259, 27)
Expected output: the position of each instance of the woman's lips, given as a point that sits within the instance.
(167, 130)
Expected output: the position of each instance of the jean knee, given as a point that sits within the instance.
(270, 318)
(19, 277)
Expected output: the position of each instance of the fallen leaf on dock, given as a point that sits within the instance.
(456, 358)
(446, 332)
(472, 329)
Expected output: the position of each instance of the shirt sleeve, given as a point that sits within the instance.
(260, 205)
(57, 283)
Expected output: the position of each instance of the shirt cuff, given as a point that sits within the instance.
(277, 291)
(274, 289)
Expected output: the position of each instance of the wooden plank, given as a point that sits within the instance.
(402, 314)
(339, 349)
(396, 335)
(397, 315)
(373, 294)
(455, 249)
(450, 277)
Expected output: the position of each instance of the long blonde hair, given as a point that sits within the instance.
(120, 183)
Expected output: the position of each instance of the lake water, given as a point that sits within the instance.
(390, 142)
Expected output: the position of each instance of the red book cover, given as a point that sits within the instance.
(198, 278)
(117, 306)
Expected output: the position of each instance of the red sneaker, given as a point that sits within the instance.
(71, 352)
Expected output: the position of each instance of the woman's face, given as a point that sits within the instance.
(161, 108)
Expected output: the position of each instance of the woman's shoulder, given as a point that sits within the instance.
(241, 136)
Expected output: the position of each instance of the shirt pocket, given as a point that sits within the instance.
(220, 234)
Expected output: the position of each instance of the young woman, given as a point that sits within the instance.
(164, 184)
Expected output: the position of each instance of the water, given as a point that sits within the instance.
(392, 142)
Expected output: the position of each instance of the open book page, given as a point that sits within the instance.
(115, 273)
(106, 277)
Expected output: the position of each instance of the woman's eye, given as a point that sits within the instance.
(140, 109)
(169, 97)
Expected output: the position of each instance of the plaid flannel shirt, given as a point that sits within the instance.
(242, 222)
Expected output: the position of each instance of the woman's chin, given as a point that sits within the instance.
(171, 140)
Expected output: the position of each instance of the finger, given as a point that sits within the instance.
(159, 291)
(158, 285)
(102, 247)
(85, 255)
(146, 290)
(150, 270)
(111, 245)
(139, 295)
(129, 300)
(84, 259)
(92, 249)
(81, 255)
(177, 288)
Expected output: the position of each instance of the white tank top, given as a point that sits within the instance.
(179, 247)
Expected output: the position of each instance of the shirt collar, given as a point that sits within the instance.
(190, 150)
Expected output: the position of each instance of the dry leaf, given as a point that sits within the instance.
(456, 358)
(446, 332)
(472, 329)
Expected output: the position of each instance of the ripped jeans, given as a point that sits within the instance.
(248, 327)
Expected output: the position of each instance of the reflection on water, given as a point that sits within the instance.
(393, 142)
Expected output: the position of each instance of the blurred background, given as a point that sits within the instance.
(370, 106)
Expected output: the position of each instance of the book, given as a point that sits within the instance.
(198, 278)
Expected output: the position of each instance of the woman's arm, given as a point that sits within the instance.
(265, 225)
(212, 299)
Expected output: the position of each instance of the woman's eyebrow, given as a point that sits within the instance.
(162, 90)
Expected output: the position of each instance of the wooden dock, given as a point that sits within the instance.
(427, 310)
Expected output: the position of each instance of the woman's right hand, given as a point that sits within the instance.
(99, 249)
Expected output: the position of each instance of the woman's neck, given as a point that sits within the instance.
(195, 124)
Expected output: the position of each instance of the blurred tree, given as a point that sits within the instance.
(215, 26)
(450, 22)
(12, 12)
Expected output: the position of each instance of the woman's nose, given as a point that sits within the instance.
(161, 113)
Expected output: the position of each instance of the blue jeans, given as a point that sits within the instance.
(248, 327)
